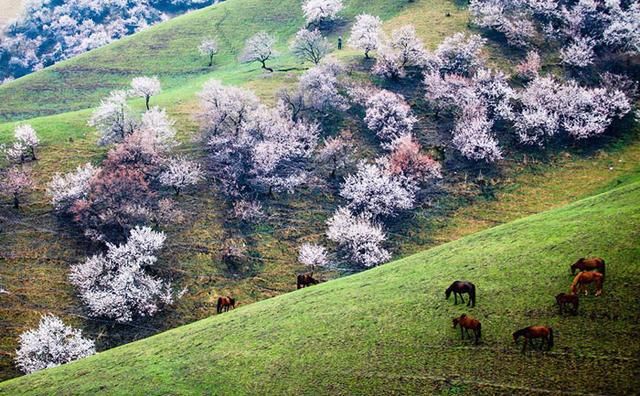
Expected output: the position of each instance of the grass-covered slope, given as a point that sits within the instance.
(388, 330)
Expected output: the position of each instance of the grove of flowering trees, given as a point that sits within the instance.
(51, 344)
(580, 27)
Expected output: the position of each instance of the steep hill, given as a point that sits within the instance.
(388, 330)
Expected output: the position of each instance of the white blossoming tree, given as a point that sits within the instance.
(389, 116)
(579, 53)
(310, 46)
(460, 54)
(208, 47)
(65, 189)
(336, 153)
(359, 240)
(281, 149)
(116, 285)
(375, 192)
(366, 33)
(225, 109)
(317, 12)
(180, 174)
(25, 144)
(16, 182)
(259, 48)
(403, 50)
(158, 129)
(145, 87)
(51, 344)
(113, 118)
(313, 256)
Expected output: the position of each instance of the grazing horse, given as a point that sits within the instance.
(304, 280)
(225, 304)
(563, 299)
(581, 281)
(466, 323)
(460, 287)
(588, 264)
(531, 332)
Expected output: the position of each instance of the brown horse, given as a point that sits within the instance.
(581, 281)
(563, 299)
(588, 264)
(460, 287)
(304, 280)
(468, 323)
(531, 332)
(225, 304)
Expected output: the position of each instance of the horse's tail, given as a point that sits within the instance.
(550, 337)
(472, 295)
(219, 305)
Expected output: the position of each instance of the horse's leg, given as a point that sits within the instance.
(455, 298)
(524, 346)
(462, 298)
(461, 332)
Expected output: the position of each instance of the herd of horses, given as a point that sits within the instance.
(591, 271)
(226, 303)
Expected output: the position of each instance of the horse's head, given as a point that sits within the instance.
(576, 265)
(447, 293)
(314, 281)
(517, 335)
(455, 322)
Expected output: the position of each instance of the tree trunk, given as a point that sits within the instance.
(33, 153)
(16, 201)
(210, 60)
(264, 66)
(147, 101)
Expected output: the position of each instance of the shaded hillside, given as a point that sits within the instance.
(388, 329)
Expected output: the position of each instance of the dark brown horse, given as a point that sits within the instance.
(459, 288)
(581, 281)
(468, 323)
(543, 332)
(225, 304)
(304, 280)
(563, 299)
(588, 264)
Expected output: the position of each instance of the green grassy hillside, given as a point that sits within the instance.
(388, 330)
(169, 50)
